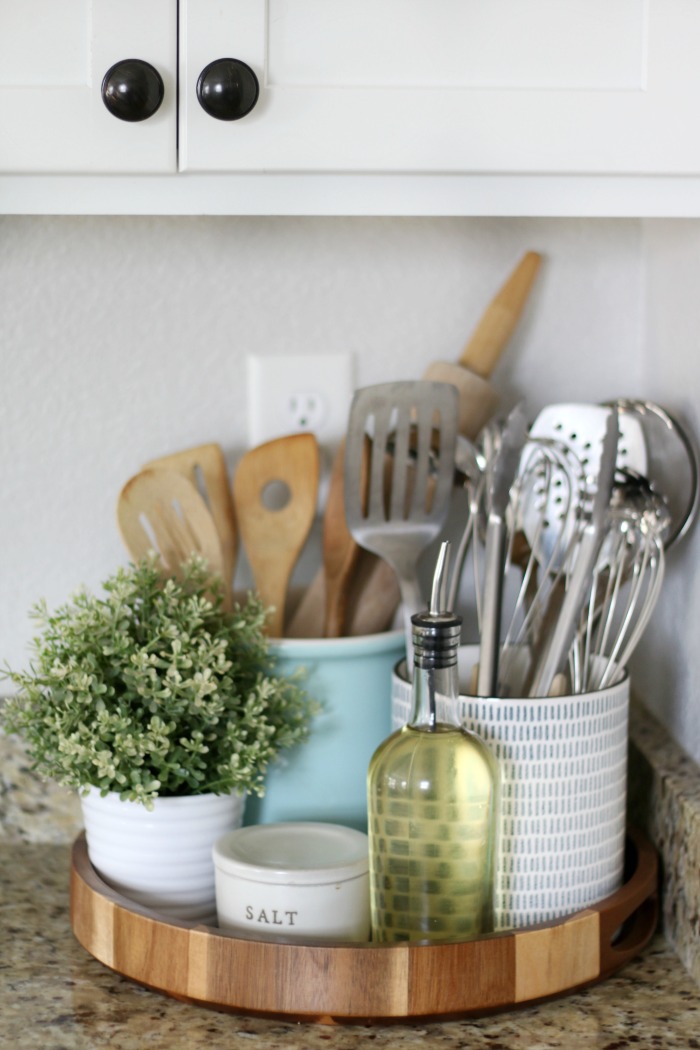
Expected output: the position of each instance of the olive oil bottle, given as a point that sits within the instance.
(432, 801)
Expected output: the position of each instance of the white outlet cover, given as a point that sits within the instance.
(292, 393)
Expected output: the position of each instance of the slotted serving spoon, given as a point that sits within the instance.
(413, 427)
(556, 646)
(582, 427)
(160, 510)
(674, 461)
(274, 534)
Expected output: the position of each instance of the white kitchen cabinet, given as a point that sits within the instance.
(581, 107)
(449, 86)
(53, 60)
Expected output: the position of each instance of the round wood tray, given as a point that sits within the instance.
(366, 982)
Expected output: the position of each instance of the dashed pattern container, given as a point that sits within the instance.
(563, 770)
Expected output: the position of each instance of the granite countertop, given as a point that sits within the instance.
(53, 994)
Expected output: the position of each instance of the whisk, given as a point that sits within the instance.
(625, 586)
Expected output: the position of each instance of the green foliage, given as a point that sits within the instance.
(154, 689)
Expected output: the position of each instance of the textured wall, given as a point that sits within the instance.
(122, 339)
(668, 664)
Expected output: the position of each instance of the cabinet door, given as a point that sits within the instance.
(54, 55)
(512, 86)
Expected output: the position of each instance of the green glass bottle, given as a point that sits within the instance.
(432, 804)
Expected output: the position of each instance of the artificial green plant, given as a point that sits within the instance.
(154, 689)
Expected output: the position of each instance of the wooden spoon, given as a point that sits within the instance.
(340, 551)
(160, 510)
(273, 538)
(208, 462)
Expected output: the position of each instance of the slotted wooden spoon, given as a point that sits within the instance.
(273, 536)
(207, 462)
(160, 510)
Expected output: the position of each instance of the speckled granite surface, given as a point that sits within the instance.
(55, 996)
(664, 799)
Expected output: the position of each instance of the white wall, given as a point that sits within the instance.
(123, 339)
(668, 665)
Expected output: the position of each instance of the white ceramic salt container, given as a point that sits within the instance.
(294, 881)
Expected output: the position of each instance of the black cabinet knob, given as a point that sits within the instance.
(132, 90)
(227, 89)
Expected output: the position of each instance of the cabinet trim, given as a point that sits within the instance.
(354, 195)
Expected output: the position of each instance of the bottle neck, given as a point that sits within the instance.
(435, 674)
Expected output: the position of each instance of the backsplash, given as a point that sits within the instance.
(126, 338)
(664, 799)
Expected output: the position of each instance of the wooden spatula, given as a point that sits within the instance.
(162, 511)
(340, 550)
(208, 461)
(274, 537)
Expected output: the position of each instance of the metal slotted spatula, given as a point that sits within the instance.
(403, 504)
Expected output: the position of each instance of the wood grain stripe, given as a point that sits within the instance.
(557, 957)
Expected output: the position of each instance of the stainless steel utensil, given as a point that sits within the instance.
(673, 461)
(412, 427)
(470, 466)
(557, 644)
(626, 583)
(504, 469)
(546, 501)
(581, 427)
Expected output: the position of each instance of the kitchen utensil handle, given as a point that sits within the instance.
(273, 596)
(492, 602)
(498, 321)
(559, 643)
(562, 635)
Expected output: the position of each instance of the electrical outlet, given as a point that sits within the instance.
(303, 392)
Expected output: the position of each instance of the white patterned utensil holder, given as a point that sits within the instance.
(563, 767)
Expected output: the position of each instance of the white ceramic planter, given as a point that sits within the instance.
(161, 858)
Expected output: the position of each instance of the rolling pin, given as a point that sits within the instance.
(478, 399)
(372, 603)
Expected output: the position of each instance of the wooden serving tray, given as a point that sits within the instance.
(364, 983)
